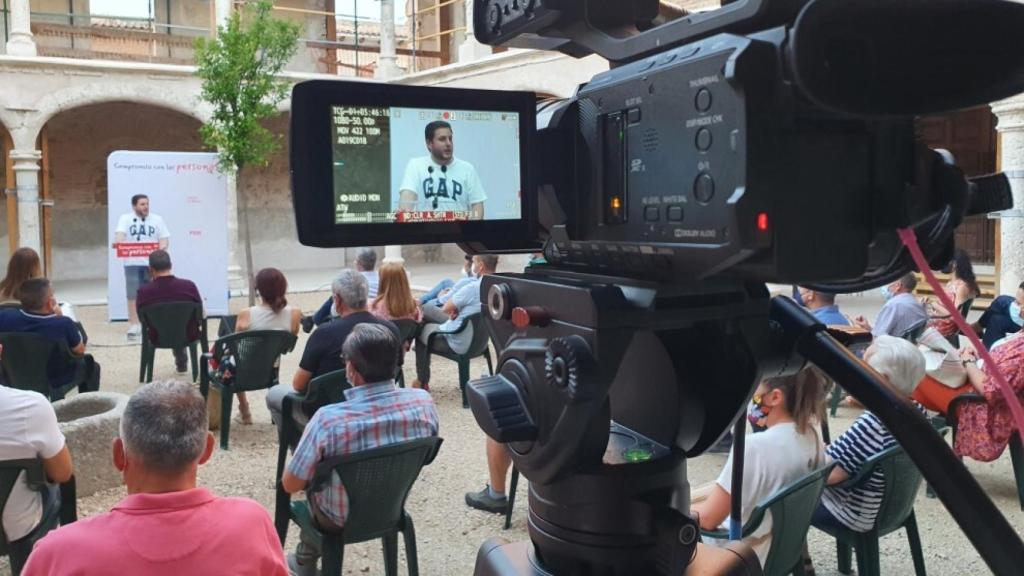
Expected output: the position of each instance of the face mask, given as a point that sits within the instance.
(886, 293)
(1015, 314)
(757, 411)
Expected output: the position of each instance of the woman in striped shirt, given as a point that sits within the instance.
(902, 365)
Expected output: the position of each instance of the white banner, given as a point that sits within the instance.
(187, 204)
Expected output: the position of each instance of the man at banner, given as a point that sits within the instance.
(440, 182)
(138, 234)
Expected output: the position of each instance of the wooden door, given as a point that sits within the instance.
(971, 136)
(8, 184)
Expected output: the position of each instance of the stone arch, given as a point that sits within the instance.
(106, 90)
(76, 179)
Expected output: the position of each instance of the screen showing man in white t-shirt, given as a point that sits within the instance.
(440, 181)
(148, 233)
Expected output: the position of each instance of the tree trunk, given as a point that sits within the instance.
(243, 228)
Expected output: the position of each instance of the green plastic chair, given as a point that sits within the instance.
(323, 390)
(477, 347)
(1016, 446)
(170, 321)
(902, 481)
(377, 482)
(792, 508)
(35, 476)
(25, 363)
(407, 331)
(256, 353)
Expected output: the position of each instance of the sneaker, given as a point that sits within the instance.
(482, 500)
(307, 324)
(181, 368)
(134, 333)
(296, 569)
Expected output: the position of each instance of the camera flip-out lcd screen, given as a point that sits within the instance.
(425, 165)
(380, 164)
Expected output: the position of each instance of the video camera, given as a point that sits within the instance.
(766, 141)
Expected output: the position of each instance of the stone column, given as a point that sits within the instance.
(20, 42)
(236, 279)
(26, 178)
(387, 68)
(1010, 113)
(393, 254)
(387, 65)
(221, 12)
(470, 49)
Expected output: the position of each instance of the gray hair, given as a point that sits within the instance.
(373, 351)
(899, 361)
(351, 287)
(366, 259)
(165, 426)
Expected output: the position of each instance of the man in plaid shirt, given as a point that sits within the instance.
(375, 413)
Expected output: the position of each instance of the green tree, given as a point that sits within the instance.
(239, 69)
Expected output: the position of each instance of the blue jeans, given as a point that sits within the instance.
(435, 291)
(824, 520)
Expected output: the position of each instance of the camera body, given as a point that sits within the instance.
(703, 161)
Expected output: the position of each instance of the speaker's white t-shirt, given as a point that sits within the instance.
(454, 187)
(141, 231)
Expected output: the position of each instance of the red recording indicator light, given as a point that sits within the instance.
(762, 222)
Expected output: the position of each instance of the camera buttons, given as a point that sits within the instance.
(703, 139)
(651, 213)
(702, 100)
(704, 188)
(675, 213)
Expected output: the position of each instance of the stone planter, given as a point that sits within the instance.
(90, 422)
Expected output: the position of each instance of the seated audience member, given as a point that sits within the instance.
(272, 313)
(38, 316)
(445, 288)
(823, 306)
(1003, 317)
(25, 264)
(900, 312)
(394, 300)
(375, 413)
(164, 287)
(962, 286)
(28, 430)
(902, 366)
(983, 428)
(789, 449)
(365, 262)
(448, 318)
(323, 349)
(166, 524)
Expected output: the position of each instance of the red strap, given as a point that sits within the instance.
(910, 241)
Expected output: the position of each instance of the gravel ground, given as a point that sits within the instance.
(449, 533)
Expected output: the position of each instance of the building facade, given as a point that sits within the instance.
(76, 86)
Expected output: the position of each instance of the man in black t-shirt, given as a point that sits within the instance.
(323, 349)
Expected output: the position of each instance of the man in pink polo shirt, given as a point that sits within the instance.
(166, 525)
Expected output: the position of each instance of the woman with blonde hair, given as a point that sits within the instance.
(394, 299)
(788, 406)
